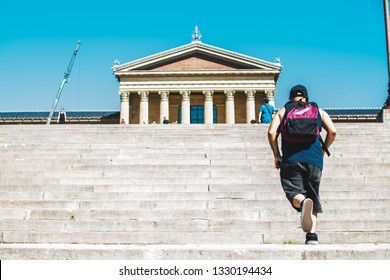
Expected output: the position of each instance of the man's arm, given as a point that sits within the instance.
(330, 128)
(272, 136)
(260, 113)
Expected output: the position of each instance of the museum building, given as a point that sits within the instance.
(195, 83)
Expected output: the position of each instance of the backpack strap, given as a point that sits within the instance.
(323, 146)
(286, 108)
(269, 111)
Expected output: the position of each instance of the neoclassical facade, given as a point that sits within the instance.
(195, 83)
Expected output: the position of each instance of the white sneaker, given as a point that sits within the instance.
(306, 215)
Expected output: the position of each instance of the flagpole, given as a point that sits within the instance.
(387, 28)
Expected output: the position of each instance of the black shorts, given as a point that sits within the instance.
(301, 178)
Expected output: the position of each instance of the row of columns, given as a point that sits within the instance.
(185, 106)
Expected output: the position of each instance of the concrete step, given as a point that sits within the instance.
(272, 214)
(180, 237)
(124, 184)
(259, 194)
(162, 171)
(192, 251)
(186, 225)
(219, 204)
(195, 252)
(261, 190)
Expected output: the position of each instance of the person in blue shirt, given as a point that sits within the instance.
(301, 166)
(266, 112)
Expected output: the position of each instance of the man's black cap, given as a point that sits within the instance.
(298, 90)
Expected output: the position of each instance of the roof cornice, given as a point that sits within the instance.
(230, 72)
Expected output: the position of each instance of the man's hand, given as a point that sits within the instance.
(277, 162)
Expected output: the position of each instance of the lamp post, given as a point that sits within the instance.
(387, 28)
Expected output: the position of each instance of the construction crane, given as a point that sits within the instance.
(64, 81)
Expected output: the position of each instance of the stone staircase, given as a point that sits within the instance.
(183, 192)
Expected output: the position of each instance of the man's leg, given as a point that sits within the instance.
(298, 186)
(297, 201)
(292, 180)
(314, 217)
(307, 218)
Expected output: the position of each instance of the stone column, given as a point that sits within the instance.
(386, 115)
(185, 107)
(125, 107)
(164, 105)
(229, 107)
(144, 107)
(250, 105)
(208, 106)
(271, 96)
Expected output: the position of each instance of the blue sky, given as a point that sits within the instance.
(336, 48)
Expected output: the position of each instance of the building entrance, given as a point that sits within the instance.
(197, 114)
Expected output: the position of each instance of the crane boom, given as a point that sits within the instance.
(64, 80)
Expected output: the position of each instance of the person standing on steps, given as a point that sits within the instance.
(266, 111)
(61, 116)
(301, 161)
(165, 121)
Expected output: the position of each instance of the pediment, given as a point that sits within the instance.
(195, 61)
(196, 56)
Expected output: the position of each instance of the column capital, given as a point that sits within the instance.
(125, 96)
(270, 93)
(185, 94)
(144, 95)
(271, 96)
(229, 94)
(250, 94)
(164, 94)
(208, 95)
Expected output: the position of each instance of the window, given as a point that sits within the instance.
(197, 114)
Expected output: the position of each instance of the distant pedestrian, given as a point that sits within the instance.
(165, 121)
(266, 111)
(61, 116)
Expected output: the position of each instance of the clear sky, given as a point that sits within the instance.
(336, 48)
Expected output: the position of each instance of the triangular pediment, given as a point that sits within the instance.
(195, 61)
(196, 56)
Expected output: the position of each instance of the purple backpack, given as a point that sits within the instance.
(301, 122)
